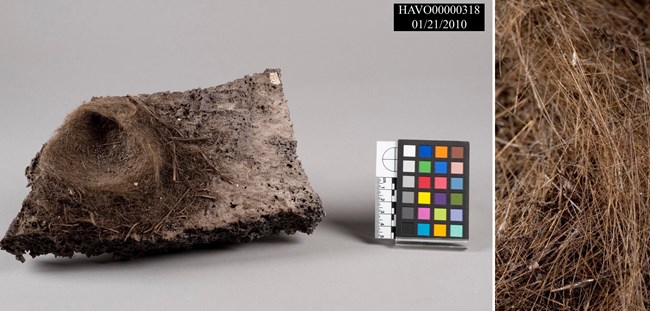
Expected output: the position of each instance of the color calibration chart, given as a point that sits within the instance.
(422, 192)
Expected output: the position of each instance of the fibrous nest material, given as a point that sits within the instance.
(131, 175)
(572, 155)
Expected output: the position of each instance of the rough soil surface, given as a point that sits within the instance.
(142, 174)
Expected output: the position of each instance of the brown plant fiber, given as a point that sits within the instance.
(139, 174)
(572, 155)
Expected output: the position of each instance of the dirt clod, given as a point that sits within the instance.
(132, 175)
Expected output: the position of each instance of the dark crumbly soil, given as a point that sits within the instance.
(151, 173)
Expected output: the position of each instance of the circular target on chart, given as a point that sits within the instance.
(389, 159)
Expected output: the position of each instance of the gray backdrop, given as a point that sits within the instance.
(349, 79)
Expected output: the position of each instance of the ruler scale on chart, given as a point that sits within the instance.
(422, 192)
(385, 196)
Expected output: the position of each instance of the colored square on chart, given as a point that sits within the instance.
(408, 166)
(456, 183)
(408, 197)
(424, 229)
(456, 199)
(440, 183)
(407, 213)
(424, 197)
(424, 213)
(424, 167)
(409, 151)
(439, 230)
(456, 231)
(408, 228)
(456, 167)
(439, 214)
(440, 198)
(456, 215)
(424, 182)
(441, 167)
(457, 152)
(408, 181)
(441, 152)
(425, 151)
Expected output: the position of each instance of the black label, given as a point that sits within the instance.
(439, 16)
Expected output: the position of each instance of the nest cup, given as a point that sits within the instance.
(106, 146)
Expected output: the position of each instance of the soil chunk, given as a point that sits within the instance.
(132, 175)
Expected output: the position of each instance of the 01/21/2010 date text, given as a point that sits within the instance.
(439, 24)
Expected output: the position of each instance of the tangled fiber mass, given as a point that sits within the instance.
(572, 155)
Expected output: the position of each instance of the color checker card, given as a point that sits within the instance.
(429, 192)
